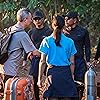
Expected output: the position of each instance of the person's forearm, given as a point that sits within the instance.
(42, 66)
(72, 66)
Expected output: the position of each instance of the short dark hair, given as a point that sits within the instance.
(22, 14)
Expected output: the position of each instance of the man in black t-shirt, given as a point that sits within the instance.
(37, 34)
(80, 36)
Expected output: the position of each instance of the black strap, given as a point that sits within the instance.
(13, 32)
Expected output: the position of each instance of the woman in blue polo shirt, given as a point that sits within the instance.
(58, 52)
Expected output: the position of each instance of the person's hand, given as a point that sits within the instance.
(39, 83)
(36, 53)
(30, 56)
(33, 53)
(73, 76)
(65, 32)
(88, 64)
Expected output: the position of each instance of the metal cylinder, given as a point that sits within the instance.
(90, 84)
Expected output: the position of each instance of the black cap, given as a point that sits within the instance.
(38, 14)
(72, 14)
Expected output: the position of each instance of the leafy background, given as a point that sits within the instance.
(89, 11)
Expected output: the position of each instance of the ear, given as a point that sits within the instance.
(24, 19)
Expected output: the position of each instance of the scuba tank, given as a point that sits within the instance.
(90, 84)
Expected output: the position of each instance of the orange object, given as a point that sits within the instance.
(19, 89)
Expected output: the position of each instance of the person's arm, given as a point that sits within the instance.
(72, 66)
(73, 51)
(42, 66)
(87, 47)
(33, 53)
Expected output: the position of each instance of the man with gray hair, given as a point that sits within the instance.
(20, 41)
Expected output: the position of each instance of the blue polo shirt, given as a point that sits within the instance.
(58, 56)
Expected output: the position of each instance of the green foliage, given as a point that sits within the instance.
(89, 11)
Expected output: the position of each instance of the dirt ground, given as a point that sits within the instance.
(24, 72)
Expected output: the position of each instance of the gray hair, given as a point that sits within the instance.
(22, 14)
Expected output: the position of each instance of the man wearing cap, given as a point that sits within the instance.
(82, 43)
(40, 31)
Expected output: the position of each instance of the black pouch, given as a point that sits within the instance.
(3, 58)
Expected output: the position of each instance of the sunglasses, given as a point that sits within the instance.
(37, 18)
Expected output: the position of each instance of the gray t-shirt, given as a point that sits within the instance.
(20, 41)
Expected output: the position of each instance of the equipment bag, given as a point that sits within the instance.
(4, 44)
(19, 88)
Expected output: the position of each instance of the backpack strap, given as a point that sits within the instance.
(13, 32)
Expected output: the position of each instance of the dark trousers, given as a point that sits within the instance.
(62, 98)
(36, 88)
(7, 77)
(80, 69)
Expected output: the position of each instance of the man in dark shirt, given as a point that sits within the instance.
(37, 34)
(80, 36)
